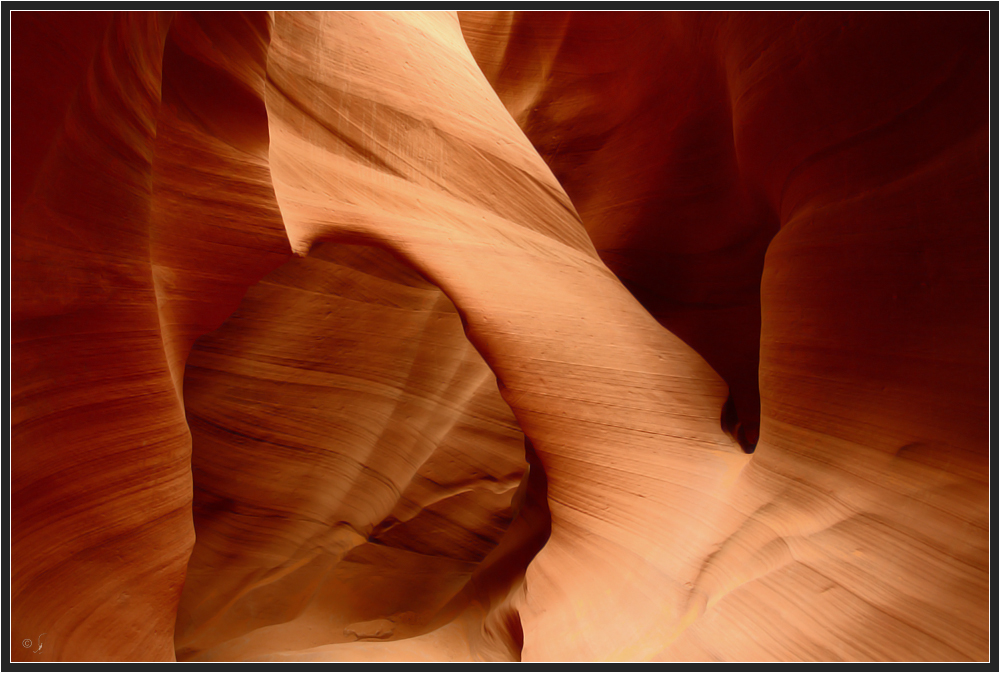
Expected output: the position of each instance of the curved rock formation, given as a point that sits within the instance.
(632, 112)
(379, 475)
(351, 336)
(101, 527)
(683, 140)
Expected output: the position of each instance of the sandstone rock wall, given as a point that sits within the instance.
(415, 336)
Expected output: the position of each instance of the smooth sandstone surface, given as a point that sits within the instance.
(873, 341)
(402, 336)
(633, 113)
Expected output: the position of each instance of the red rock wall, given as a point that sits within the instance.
(684, 139)
(801, 198)
(352, 457)
(632, 112)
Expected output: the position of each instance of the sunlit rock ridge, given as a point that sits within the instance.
(498, 336)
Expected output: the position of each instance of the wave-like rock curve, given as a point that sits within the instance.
(407, 336)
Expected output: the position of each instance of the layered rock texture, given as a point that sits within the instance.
(500, 336)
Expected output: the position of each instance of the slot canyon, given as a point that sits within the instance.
(500, 336)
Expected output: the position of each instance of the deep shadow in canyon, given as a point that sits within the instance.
(404, 336)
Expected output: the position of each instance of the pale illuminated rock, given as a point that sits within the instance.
(318, 353)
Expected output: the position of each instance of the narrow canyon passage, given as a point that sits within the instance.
(398, 460)
(424, 336)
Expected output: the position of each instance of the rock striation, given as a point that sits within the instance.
(424, 336)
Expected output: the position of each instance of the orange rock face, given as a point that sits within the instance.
(499, 336)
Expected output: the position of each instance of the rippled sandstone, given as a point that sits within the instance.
(415, 336)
